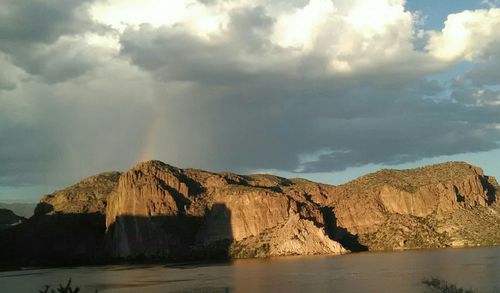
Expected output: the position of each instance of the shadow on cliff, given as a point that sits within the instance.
(56, 239)
(348, 240)
(491, 190)
(77, 239)
(179, 238)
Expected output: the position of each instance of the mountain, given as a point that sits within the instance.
(157, 211)
(8, 219)
(22, 209)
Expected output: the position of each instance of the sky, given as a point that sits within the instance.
(321, 89)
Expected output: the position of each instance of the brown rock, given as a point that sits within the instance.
(87, 196)
(156, 210)
(224, 207)
(372, 204)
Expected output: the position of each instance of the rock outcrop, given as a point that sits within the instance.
(87, 196)
(390, 209)
(157, 211)
(217, 210)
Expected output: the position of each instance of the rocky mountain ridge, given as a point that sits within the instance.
(157, 211)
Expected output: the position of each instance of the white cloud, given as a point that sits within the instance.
(299, 28)
(353, 35)
(121, 14)
(372, 34)
(201, 20)
(304, 85)
(466, 35)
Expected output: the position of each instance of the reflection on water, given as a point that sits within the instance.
(477, 268)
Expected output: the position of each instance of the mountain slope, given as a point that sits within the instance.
(8, 219)
(434, 206)
(157, 211)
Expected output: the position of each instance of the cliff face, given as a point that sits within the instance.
(263, 215)
(158, 211)
(424, 207)
(216, 209)
(146, 215)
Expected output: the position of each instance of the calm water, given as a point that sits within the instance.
(477, 268)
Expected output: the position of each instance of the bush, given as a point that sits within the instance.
(61, 289)
(440, 286)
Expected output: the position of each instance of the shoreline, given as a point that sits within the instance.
(209, 263)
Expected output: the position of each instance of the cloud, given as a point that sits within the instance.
(300, 86)
(67, 58)
(262, 100)
(269, 128)
(485, 74)
(253, 39)
(10, 75)
(467, 35)
(57, 134)
(491, 3)
(41, 21)
(48, 38)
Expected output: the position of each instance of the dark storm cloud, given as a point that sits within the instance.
(26, 152)
(65, 133)
(40, 21)
(174, 55)
(9, 74)
(31, 32)
(262, 119)
(234, 101)
(269, 128)
(29, 146)
(61, 61)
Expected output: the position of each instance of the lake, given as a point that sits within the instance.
(476, 268)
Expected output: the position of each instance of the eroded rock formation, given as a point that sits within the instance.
(390, 209)
(217, 210)
(155, 210)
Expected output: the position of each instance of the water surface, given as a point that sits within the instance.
(476, 268)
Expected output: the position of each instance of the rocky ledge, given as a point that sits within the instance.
(157, 211)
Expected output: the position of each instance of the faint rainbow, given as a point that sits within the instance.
(148, 151)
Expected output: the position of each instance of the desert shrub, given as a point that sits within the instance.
(61, 289)
(436, 285)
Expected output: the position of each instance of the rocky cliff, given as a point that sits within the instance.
(155, 210)
(160, 210)
(434, 206)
